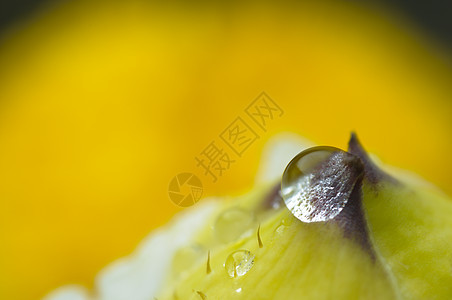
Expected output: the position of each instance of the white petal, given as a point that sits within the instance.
(140, 276)
(69, 292)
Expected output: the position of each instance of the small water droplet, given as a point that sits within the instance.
(238, 263)
(239, 290)
(232, 223)
(317, 183)
(186, 257)
(287, 221)
(280, 229)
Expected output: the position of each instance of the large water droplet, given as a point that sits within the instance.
(238, 263)
(232, 223)
(317, 183)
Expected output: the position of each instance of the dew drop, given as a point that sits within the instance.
(280, 229)
(238, 263)
(317, 183)
(186, 257)
(232, 223)
(287, 221)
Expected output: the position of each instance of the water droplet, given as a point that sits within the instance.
(238, 263)
(287, 221)
(280, 229)
(186, 257)
(232, 223)
(239, 290)
(317, 183)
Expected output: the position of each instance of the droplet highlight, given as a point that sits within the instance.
(280, 229)
(317, 183)
(232, 223)
(238, 263)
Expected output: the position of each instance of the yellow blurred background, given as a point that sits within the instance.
(102, 103)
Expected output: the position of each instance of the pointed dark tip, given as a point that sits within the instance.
(355, 147)
(371, 172)
(352, 220)
(273, 199)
